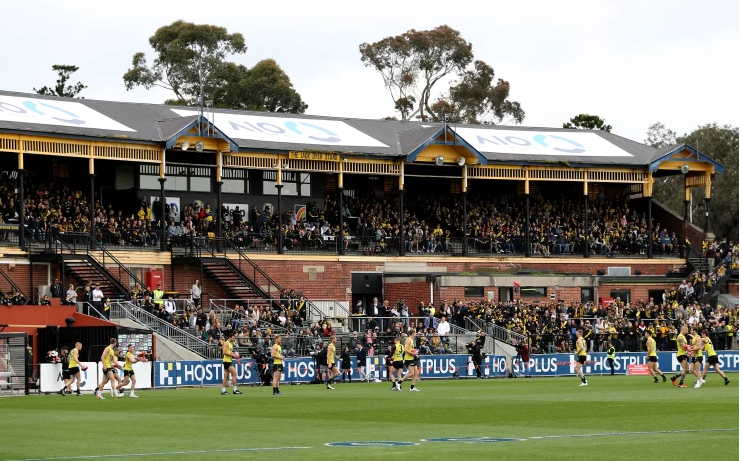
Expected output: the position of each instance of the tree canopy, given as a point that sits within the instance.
(64, 72)
(720, 143)
(411, 64)
(587, 122)
(188, 55)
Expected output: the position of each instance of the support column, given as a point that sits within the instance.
(527, 225)
(22, 208)
(683, 230)
(219, 233)
(341, 221)
(465, 239)
(650, 229)
(280, 218)
(401, 223)
(586, 246)
(92, 205)
(219, 184)
(707, 220)
(163, 216)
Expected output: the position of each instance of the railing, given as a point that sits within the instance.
(220, 248)
(13, 285)
(693, 254)
(82, 243)
(127, 310)
(497, 332)
(226, 315)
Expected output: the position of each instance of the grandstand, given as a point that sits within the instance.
(290, 221)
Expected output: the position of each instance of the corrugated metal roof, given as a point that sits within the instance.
(278, 132)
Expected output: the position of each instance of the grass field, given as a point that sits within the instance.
(613, 418)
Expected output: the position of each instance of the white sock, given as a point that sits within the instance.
(224, 389)
(234, 388)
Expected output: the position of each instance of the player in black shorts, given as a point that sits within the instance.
(65, 358)
(397, 365)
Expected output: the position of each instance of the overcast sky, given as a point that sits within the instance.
(631, 62)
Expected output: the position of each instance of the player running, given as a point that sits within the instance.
(397, 365)
(711, 358)
(129, 360)
(652, 364)
(682, 357)
(278, 358)
(332, 370)
(109, 370)
(412, 361)
(229, 369)
(697, 359)
(581, 353)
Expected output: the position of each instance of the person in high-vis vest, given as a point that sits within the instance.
(611, 356)
(158, 296)
(711, 358)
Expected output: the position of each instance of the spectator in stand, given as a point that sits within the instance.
(45, 301)
(170, 307)
(97, 298)
(56, 289)
(71, 297)
(196, 292)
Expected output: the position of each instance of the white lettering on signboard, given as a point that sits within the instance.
(55, 112)
(289, 130)
(523, 142)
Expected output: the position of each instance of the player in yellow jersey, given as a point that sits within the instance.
(75, 368)
(581, 353)
(711, 357)
(681, 357)
(696, 360)
(129, 360)
(332, 370)
(397, 364)
(229, 370)
(109, 369)
(652, 364)
(412, 360)
(278, 358)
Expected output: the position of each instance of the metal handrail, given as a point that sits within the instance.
(60, 244)
(13, 285)
(497, 332)
(127, 310)
(221, 244)
(693, 253)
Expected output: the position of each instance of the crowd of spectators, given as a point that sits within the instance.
(496, 224)
(552, 327)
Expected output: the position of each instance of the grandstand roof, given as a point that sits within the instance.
(278, 132)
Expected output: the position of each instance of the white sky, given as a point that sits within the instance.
(630, 62)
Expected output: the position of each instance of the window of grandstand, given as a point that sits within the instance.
(586, 295)
(235, 181)
(474, 292)
(179, 178)
(296, 184)
(656, 296)
(623, 295)
(533, 292)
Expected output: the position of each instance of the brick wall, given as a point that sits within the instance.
(332, 279)
(185, 275)
(21, 276)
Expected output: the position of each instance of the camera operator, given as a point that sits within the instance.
(475, 350)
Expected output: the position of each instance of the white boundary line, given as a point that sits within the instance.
(169, 453)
